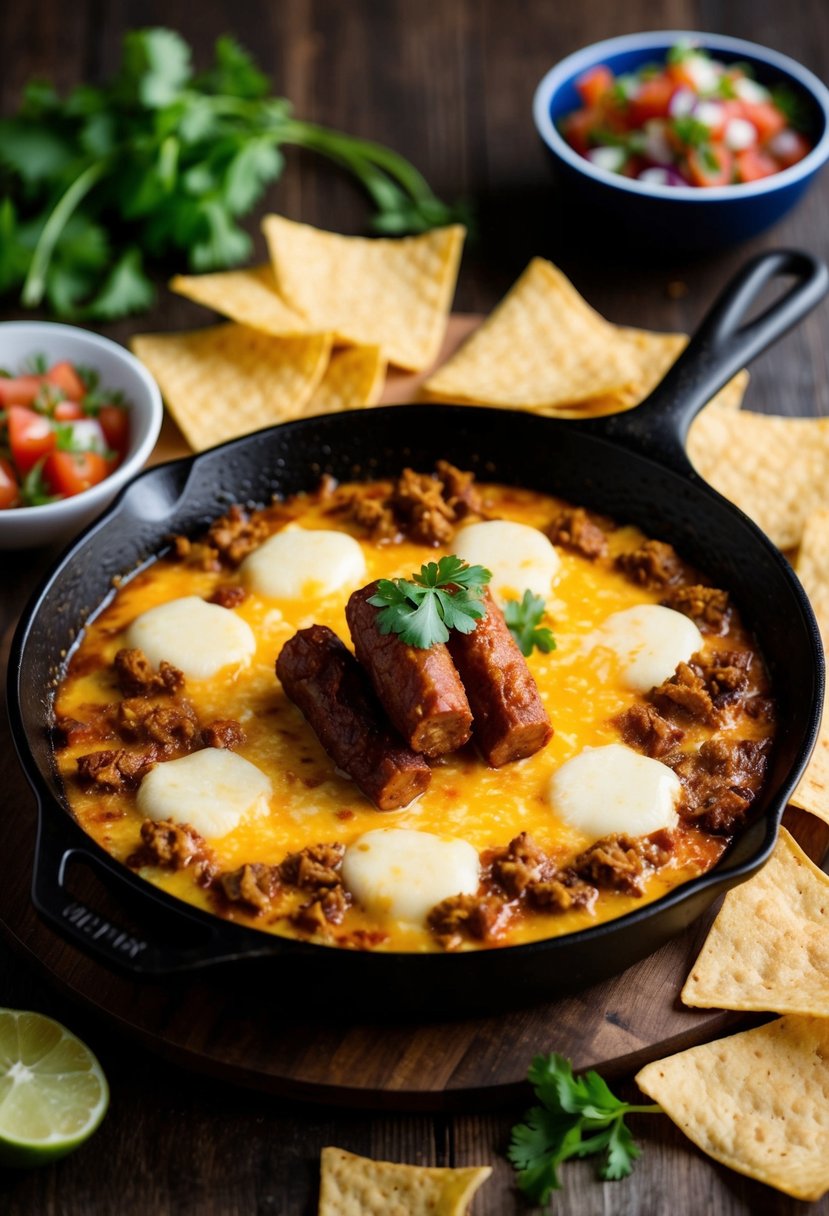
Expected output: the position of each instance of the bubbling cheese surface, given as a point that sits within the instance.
(402, 874)
(520, 557)
(300, 564)
(649, 641)
(212, 790)
(197, 637)
(606, 790)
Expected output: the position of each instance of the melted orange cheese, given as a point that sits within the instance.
(313, 803)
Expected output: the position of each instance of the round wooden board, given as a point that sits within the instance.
(224, 1030)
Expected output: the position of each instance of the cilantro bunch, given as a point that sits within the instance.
(162, 162)
(444, 595)
(578, 1117)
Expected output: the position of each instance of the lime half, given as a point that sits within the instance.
(53, 1093)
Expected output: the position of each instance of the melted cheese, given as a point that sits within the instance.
(197, 637)
(520, 557)
(649, 641)
(605, 790)
(301, 564)
(212, 790)
(400, 874)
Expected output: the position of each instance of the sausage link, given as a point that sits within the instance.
(420, 689)
(326, 683)
(510, 719)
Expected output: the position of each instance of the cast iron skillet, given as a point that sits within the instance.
(631, 466)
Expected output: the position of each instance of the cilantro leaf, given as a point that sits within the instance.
(126, 289)
(443, 595)
(155, 66)
(523, 618)
(579, 1117)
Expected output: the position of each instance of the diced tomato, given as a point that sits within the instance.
(594, 84)
(576, 129)
(21, 390)
(31, 436)
(115, 423)
(711, 165)
(682, 76)
(68, 411)
(789, 147)
(66, 378)
(69, 473)
(9, 489)
(652, 99)
(753, 164)
(766, 117)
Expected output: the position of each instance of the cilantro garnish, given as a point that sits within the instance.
(579, 1117)
(34, 490)
(523, 618)
(444, 595)
(690, 130)
(161, 162)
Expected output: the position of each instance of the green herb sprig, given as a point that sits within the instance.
(578, 1117)
(162, 162)
(444, 595)
(523, 618)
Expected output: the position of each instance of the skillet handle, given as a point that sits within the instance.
(177, 941)
(723, 343)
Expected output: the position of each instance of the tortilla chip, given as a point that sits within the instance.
(775, 469)
(542, 346)
(768, 949)
(391, 293)
(227, 380)
(812, 566)
(353, 378)
(358, 1186)
(247, 296)
(755, 1102)
(655, 353)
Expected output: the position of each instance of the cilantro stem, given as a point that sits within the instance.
(35, 283)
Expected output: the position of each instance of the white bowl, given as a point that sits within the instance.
(26, 527)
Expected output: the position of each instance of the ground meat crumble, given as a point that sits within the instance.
(421, 506)
(115, 769)
(173, 846)
(136, 677)
(653, 564)
(574, 528)
(708, 607)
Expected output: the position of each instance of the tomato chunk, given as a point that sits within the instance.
(594, 84)
(712, 165)
(652, 99)
(754, 164)
(31, 436)
(20, 390)
(70, 473)
(766, 117)
(9, 489)
(68, 411)
(115, 423)
(66, 378)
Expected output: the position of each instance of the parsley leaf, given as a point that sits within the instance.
(579, 1117)
(523, 618)
(443, 595)
(126, 289)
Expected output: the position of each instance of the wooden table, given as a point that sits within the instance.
(448, 83)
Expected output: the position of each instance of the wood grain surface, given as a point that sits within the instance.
(449, 83)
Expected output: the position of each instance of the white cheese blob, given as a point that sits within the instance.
(649, 642)
(604, 790)
(212, 790)
(520, 557)
(197, 637)
(402, 874)
(301, 563)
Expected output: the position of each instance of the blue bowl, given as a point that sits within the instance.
(679, 217)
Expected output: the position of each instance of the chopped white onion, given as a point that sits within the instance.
(740, 134)
(656, 145)
(655, 176)
(709, 113)
(704, 72)
(682, 103)
(610, 158)
(784, 144)
(750, 90)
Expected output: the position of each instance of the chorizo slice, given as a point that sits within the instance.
(420, 689)
(510, 721)
(325, 682)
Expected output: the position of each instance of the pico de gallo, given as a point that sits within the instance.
(61, 432)
(691, 121)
